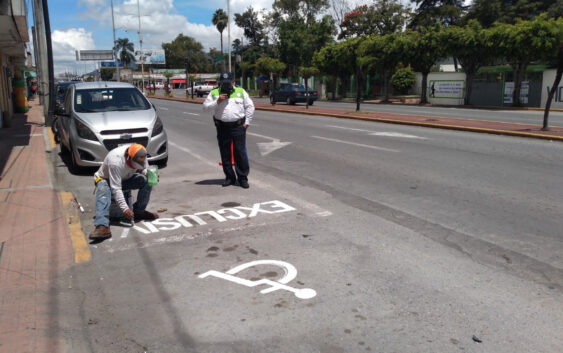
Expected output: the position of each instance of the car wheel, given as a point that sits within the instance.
(288, 101)
(272, 100)
(65, 152)
(311, 102)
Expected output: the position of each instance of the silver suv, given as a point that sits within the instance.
(97, 117)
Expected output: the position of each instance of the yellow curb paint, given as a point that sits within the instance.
(51, 138)
(81, 249)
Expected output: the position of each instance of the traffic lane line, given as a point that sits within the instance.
(190, 113)
(356, 144)
(78, 238)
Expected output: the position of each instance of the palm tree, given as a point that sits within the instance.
(220, 20)
(125, 49)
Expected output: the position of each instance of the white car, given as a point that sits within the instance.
(97, 117)
(201, 88)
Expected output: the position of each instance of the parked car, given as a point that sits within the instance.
(292, 93)
(201, 88)
(60, 89)
(99, 116)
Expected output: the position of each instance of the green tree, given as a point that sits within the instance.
(487, 12)
(125, 48)
(468, 44)
(521, 44)
(403, 79)
(421, 50)
(251, 25)
(554, 56)
(185, 51)
(245, 67)
(307, 72)
(382, 54)
(383, 17)
(106, 74)
(220, 21)
(267, 66)
(329, 62)
(430, 12)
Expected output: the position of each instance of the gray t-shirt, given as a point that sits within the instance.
(116, 170)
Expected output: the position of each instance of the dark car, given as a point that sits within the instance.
(292, 93)
(61, 88)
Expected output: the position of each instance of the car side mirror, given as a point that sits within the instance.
(60, 110)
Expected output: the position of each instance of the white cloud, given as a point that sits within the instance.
(65, 43)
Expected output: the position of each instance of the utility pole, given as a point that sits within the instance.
(41, 49)
(141, 47)
(229, 31)
(51, 83)
(114, 45)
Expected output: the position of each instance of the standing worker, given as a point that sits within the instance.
(233, 111)
(124, 168)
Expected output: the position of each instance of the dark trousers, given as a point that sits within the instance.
(236, 133)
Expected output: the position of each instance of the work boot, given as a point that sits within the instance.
(244, 184)
(228, 182)
(145, 216)
(100, 233)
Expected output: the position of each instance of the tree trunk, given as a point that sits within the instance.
(468, 86)
(386, 83)
(358, 87)
(423, 99)
(335, 83)
(519, 72)
(306, 93)
(552, 91)
(455, 64)
(222, 58)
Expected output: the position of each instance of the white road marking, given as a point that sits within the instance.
(290, 272)
(397, 134)
(191, 113)
(269, 147)
(379, 133)
(125, 232)
(356, 144)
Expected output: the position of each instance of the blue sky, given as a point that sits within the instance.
(86, 24)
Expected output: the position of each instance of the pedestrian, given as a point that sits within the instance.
(124, 168)
(233, 111)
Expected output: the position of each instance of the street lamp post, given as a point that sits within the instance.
(229, 30)
(113, 46)
(142, 57)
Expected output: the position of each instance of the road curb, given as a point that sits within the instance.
(399, 122)
(78, 238)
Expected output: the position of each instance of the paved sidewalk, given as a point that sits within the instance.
(483, 126)
(34, 241)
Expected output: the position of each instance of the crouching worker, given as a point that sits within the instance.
(124, 168)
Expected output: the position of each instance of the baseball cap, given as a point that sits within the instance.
(226, 77)
(137, 155)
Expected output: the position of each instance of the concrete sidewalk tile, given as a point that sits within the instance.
(36, 241)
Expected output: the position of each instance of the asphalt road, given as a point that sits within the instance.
(511, 116)
(374, 237)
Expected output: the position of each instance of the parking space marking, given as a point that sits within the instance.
(379, 133)
(191, 113)
(290, 272)
(356, 144)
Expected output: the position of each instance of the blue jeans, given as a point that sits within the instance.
(103, 197)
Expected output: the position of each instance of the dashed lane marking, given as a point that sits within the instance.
(379, 133)
(81, 250)
(191, 113)
(356, 144)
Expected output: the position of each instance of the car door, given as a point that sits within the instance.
(65, 119)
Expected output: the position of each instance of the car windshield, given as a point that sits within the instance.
(109, 99)
(297, 87)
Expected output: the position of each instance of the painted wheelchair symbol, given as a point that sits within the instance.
(290, 274)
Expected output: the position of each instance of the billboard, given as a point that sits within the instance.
(150, 56)
(84, 55)
(111, 63)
